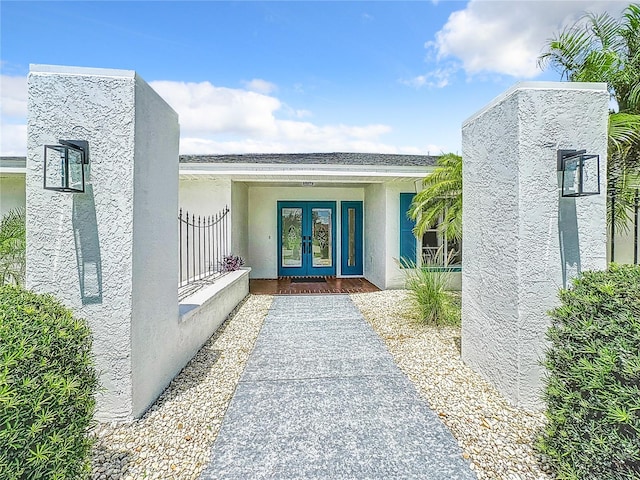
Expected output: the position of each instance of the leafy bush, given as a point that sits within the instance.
(47, 387)
(593, 384)
(427, 287)
(231, 263)
(13, 246)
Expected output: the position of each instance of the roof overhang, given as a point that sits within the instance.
(283, 174)
(13, 166)
(301, 173)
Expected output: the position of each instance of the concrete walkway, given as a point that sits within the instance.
(321, 398)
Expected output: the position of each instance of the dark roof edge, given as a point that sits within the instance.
(335, 158)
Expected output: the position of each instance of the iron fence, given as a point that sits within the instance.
(203, 245)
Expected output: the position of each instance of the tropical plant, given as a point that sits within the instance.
(13, 247)
(427, 287)
(441, 198)
(592, 384)
(604, 48)
(47, 387)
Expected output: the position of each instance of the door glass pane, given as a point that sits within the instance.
(321, 237)
(291, 237)
(351, 260)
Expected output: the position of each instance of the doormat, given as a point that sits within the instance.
(308, 280)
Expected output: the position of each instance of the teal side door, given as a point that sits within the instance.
(306, 238)
(351, 238)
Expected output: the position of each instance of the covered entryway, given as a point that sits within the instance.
(363, 190)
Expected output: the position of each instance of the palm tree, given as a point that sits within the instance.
(12, 246)
(603, 48)
(441, 198)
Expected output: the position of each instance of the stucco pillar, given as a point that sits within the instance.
(522, 240)
(109, 254)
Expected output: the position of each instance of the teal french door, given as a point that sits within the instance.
(306, 238)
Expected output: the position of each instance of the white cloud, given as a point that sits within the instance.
(13, 113)
(13, 96)
(438, 78)
(260, 86)
(506, 37)
(13, 139)
(223, 120)
(204, 107)
(219, 119)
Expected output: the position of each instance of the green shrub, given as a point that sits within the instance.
(427, 288)
(592, 387)
(47, 387)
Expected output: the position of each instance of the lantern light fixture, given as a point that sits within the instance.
(64, 166)
(580, 173)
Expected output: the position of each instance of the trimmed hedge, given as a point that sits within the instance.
(47, 388)
(593, 385)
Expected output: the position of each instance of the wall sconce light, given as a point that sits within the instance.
(64, 165)
(580, 173)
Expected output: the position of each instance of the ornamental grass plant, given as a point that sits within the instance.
(47, 388)
(427, 286)
(592, 388)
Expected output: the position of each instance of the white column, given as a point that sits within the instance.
(522, 240)
(109, 254)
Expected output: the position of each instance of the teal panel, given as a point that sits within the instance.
(407, 239)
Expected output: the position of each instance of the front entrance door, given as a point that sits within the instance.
(306, 238)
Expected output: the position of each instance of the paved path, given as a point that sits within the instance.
(321, 398)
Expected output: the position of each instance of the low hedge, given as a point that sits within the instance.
(47, 388)
(592, 388)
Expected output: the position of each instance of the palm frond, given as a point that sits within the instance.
(624, 131)
(440, 199)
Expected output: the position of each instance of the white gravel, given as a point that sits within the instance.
(494, 435)
(173, 439)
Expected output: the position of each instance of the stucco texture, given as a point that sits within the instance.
(522, 240)
(107, 253)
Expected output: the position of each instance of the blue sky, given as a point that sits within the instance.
(251, 77)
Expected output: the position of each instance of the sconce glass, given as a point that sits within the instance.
(64, 166)
(580, 173)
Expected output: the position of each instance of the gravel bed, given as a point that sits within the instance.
(495, 436)
(173, 439)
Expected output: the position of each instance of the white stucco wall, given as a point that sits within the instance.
(97, 226)
(514, 261)
(263, 221)
(375, 237)
(155, 354)
(110, 254)
(205, 196)
(12, 192)
(240, 219)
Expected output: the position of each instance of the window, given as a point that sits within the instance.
(438, 250)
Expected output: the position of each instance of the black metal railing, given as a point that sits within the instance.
(203, 244)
